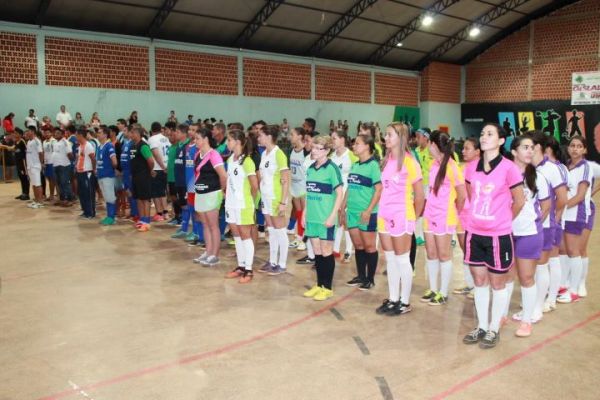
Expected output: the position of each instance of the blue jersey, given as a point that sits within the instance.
(104, 167)
(124, 160)
(190, 178)
(180, 165)
(74, 148)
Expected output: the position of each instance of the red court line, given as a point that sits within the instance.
(509, 361)
(199, 356)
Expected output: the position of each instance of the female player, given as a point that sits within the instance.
(297, 160)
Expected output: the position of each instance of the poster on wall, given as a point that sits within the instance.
(408, 115)
(507, 121)
(585, 88)
(556, 118)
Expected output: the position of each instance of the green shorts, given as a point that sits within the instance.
(353, 221)
(319, 231)
(208, 201)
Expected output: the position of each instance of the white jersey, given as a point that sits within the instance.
(48, 146)
(34, 148)
(60, 156)
(160, 142)
(238, 194)
(528, 221)
(581, 172)
(271, 165)
(298, 169)
(555, 178)
(344, 163)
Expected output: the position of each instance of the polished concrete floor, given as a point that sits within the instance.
(91, 312)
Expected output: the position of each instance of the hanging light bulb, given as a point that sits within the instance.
(474, 31)
(427, 20)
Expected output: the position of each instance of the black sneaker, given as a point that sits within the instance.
(474, 336)
(356, 281)
(306, 260)
(490, 340)
(399, 309)
(367, 285)
(429, 294)
(386, 306)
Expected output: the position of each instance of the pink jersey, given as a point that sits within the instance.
(490, 211)
(397, 194)
(442, 206)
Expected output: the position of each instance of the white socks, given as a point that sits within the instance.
(406, 276)
(468, 276)
(393, 276)
(248, 253)
(239, 251)
(500, 297)
(510, 286)
(564, 270)
(337, 243)
(446, 267)
(542, 281)
(529, 297)
(482, 305)
(273, 245)
(309, 250)
(576, 267)
(585, 261)
(284, 243)
(433, 268)
(555, 278)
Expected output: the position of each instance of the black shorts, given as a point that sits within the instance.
(159, 184)
(171, 189)
(181, 193)
(494, 252)
(141, 188)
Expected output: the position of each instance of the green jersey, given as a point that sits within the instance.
(361, 184)
(171, 155)
(425, 160)
(321, 183)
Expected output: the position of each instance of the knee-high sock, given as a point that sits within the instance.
(329, 263)
(239, 251)
(499, 299)
(198, 229)
(433, 269)
(111, 210)
(248, 254)
(555, 278)
(309, 249)
(576, 267)
(337, 242)
(406, 276)
(468, 276)
(185, 218)
(528, 296)
(273, 245)
(446, 276)
(284, 244)
(393, 276)
(319, 269)
(482, 306)
(510, 286)
(133, 207)
(292, 223)
(300, 225)
(348, 239)
(360, 259)
(371, 259)
(542, 282)
(565, 270)
(585, 262)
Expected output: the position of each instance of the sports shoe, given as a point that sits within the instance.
(420, 241)
(301, 246)
(200, 259)
(429, 294)
(562, 289)
(567, 298)
(346, 258)
(306, 260)
(173, 222)
(524, 330)
(463, 290)
(386, 306)
(179, 234)
(266, 267)
(198, 243)
(210, 261)
(356, 281)
(548, 307)
(191, 237)
(336, 254)
(490, 340)
(582, 292)
(107, 221)
(312, 292)
(438, 300)
(471, 295)
(231, 242)
(157, 218)
(246, 277)
(323, 294)
(236, 273)
(276, 270)
(144, 228)
(293, 244)
(399, 309)
(519, 317)
(367, 285)
(474, 336)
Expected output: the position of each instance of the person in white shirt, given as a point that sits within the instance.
(34, 158)
(159, 144)
(48, 146)
(63, 118)
(85, 166)
(32, 121)
(61, 161)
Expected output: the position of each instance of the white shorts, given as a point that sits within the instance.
(240, 216)
(270, 206)
(107, 186)
(35, 176)
(298, 189)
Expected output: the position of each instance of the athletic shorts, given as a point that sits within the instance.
(548, 238)
(240, 216)
(319, 231)
(353, 222)
(35, 176)
(126, 181)
(191, 199)
(460, 229)
(529, 247)
(438, 228)
(171, 188)
(107, 186)
(494, 252)
(558, 234)
(298, 190)
(159, 184)
(208, 201)
(590, 222)
(270, 206)
(49, 171)
(395, 226)
(141, 188)
(574, 227)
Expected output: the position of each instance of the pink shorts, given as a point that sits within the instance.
(438, 228)
(395, 226)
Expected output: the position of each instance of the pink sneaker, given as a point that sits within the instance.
(157, 218)
(524, 330)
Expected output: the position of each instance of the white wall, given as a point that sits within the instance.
(434, 114)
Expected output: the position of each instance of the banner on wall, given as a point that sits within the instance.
(557, 118)
(408, 115)
(585, 88)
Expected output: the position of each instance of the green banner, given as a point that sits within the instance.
(408, 115)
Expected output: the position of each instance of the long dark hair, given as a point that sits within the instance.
(344, 135)
(247, 146)
(501, 134)
(206, 133)
(445, 144)
(530, 174)
(369, 140)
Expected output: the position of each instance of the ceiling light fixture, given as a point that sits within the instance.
(474, 31)
(399, 44)
(427, 20)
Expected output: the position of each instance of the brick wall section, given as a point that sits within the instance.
(441, 82)
(336, 84)
(186, 71)
(18, 58)
(496, 84)
(512, 50)
(396, 90)
(552, 80)
(82, 63)
(263, 78)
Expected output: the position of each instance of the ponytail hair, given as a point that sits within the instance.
(342, 134)
(206, 133)
(501, 134)
(530, 174)
(445, 144)
(369, 140)
(247, 147)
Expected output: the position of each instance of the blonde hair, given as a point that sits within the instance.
(403, 132)
(324, 141)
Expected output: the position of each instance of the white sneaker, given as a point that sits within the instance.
(519, 317)
(199, 260)
(565, 298)
(548, 307)
(301, 246)
(210, 260)
(582, 292)
(261, 235)
(293, 244)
